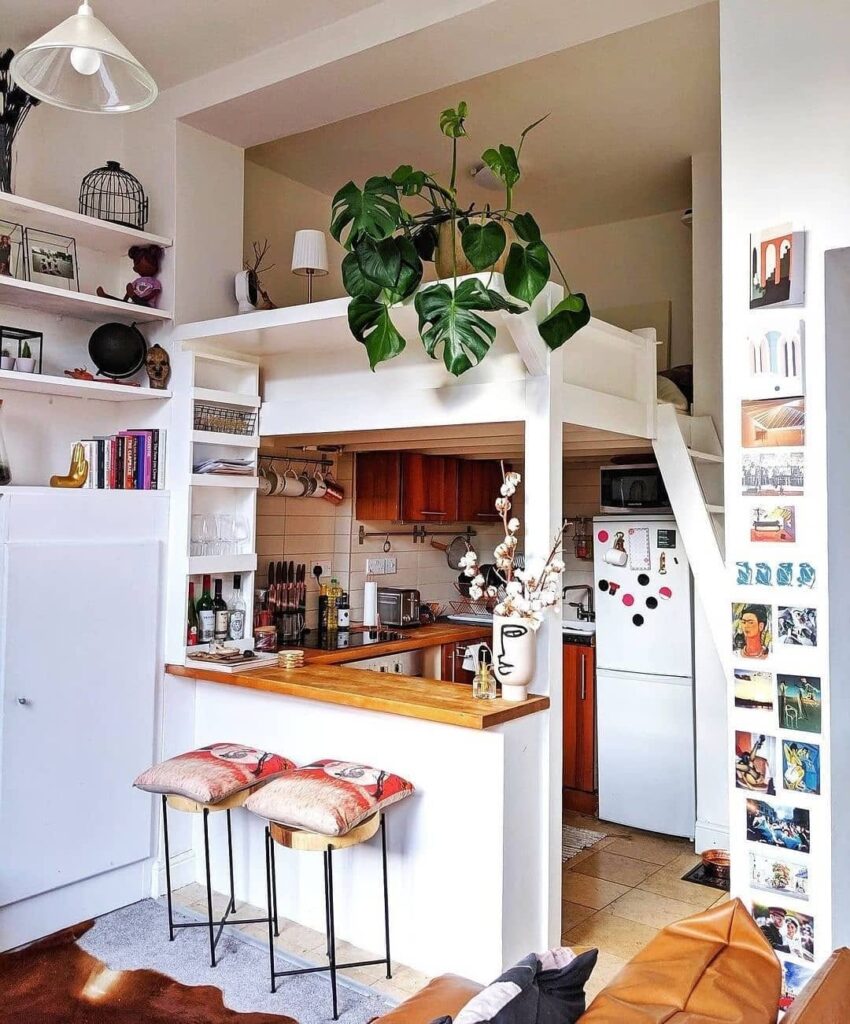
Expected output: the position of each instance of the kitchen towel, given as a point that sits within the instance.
(370, 604)
(471, 658)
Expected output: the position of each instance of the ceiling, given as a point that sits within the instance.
(626, 112)
(180, 39)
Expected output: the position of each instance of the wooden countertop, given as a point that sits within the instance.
(409, 696)
(417, 638)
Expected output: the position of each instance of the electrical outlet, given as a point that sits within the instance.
(389, 565)
(376, 566)
(327, 570)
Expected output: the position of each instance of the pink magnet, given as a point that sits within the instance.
(603, 535)
(666, 593)
(628, 600)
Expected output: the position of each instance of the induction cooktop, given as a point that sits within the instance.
(338, 641)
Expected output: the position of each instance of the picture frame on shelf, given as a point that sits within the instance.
(11, 249)
(18, 341)
(51, 259)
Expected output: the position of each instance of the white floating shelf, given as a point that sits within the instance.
(46, 489)
(249, 483)
(64, 302)
(200, 565)
(226, 398)
(67, 387)
(227, 440)
(88, 232)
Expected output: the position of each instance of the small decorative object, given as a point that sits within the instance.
(7, 362)
(11, 246)
(778, 267)
(80, 65)
(386, 246)
(112, 193)
(524, 595)
(24, 341)
(78, 471)
(617, 554)
(15, 104)
(144, 291)
(158, 367)
(118, 350)
(247, 281)
(51, 259)
(310, 257)
(5, 471)
(484, 683)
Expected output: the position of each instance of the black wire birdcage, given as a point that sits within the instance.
(113, 194)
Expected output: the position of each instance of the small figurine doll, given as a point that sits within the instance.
(144, 291)
(5, 255)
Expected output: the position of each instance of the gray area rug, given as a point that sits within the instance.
(574, 840)
(137, 937)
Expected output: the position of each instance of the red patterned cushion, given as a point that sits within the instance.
(213, 773)
(328, 797)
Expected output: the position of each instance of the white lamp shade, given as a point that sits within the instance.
(80, 65)
(309, 253)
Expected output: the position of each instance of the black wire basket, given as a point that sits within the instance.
(113, 194)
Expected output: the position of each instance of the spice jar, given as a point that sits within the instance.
(265, 638)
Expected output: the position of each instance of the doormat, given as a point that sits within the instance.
(700, 876)
(574, 840)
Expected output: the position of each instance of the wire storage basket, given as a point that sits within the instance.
(113, 194)
(220, 419)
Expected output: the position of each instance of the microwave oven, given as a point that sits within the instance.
(636, 488)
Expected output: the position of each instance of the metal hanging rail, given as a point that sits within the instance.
(418, 533)
(323, 462)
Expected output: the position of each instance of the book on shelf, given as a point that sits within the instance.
(131, 460)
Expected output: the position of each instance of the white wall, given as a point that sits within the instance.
(707, 287)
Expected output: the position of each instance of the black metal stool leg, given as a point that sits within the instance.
(386, 893)
(167, 867)
(274, 884)
(332, 930)
(269, 861)
(327, 906)
(231, 909)
(206, 816)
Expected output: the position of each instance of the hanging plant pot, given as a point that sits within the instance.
(443, 252)
(514, 655)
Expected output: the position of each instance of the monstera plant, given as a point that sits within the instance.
(387, 242)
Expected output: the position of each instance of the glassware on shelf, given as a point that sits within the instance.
(5, 470)
(218, 533)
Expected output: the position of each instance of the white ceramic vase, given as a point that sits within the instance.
(514, 655)
(25, 364)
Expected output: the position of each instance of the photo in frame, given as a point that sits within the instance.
(773, 423)
(799, 702)
(777, 267)
(779, 876)
(11, 249)
(753, 690)
(788, 828)
(801, 767)
(755, 762)
(51, 259)
(778, 472)
(773, 524)
(787, 931)
(775, 360)
(794, 979)
(752, 630)
(797, 627)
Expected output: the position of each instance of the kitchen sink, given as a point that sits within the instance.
(576, 627)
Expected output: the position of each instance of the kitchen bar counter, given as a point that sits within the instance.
(409, 696)
(416, 638)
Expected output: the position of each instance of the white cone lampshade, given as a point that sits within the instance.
(310, 253)
(80, 65)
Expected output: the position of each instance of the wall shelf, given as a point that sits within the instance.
(200, 565)
(67, 387)
(89, 232)
(64, 302)
(249, 483)
(226, 398)
(228, 440)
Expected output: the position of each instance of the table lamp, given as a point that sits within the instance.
(309, 257)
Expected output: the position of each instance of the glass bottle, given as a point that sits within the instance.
(221, 619)
(237, 610)
(484, 682)
(192, 619)
(206, 613)
(5, 471)
(343, 613)
(334, 594)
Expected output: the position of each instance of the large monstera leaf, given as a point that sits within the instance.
(451, 319)
(569, 316)
(393, 265)
(483, 244)
(371, 324)
(373, 211)
(527, 270)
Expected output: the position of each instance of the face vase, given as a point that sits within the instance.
(513, 655)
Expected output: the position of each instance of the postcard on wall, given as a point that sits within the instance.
(787, 828)
(755, 762)
(787, 931)
(798, 702)
(752, 630)
(801, 767)
(775, 360)
(795, 977)
(797, 626)
(753, 690)
(777, 267)
(779, 876)
(773, 423)
(774, 472)
(775, 524)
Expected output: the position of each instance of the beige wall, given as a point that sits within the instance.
(707, 287)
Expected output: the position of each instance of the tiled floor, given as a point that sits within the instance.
(621, 892)
(309, 945)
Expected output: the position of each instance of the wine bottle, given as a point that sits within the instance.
(237, 610)
(192, 620)
(206, 613)
(222, 617)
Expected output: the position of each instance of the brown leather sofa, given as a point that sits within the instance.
(712, 968)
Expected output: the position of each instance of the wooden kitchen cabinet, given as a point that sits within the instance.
(479, 481)
(580, 728)
(452, 670)
(429, 488)
(378, 476)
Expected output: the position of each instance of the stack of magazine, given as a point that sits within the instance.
(132, 460)
(229, 467)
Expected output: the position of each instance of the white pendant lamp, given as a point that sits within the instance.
(310, 257)
(80, 65)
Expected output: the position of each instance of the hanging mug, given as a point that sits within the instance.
(293, 485)
(616, 554)
(333, 491)
(321, 486)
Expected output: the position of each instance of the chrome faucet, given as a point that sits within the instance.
(585, 611)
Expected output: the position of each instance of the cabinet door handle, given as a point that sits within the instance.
(583, 676)
(425, 512)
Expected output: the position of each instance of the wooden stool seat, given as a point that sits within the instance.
(315, 842)
(183, 803)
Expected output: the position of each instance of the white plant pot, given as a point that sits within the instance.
(7, 362)
(514, 655)
(23, 365)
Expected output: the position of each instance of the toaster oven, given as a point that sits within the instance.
(398, 606)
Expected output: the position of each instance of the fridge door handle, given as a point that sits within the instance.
(583, 658)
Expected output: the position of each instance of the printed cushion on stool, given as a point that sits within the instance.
(214, 773)
(328, 797)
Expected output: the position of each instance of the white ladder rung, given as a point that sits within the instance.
(718, 510)
(698, 456)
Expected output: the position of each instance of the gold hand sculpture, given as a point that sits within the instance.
(78, 471)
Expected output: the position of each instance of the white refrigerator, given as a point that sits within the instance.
(644, 676)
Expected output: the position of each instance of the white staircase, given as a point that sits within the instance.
(690, 458)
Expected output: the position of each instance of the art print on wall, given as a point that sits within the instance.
(775, 361)
(773, 423)
(788, 828)
(752, 630)
(801, 767)
(787, 931)
(755, 762)
(799, 702)
(794, 979)
(797, 627)
(779, 473)
(779, 876)
(777, 267)
(775, 524)
(753, 690)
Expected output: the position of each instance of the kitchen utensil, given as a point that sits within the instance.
(118, 350)
(387, 546)
(455, 549)
(334, 492)
(266, 482)
(308, 482)
(321, 487)
(293, 484)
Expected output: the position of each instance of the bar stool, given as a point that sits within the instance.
(326, 806)
(216, 778)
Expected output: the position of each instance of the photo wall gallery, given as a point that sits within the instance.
(777, 685)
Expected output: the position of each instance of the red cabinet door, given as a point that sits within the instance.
(429, 488)
(579, 719)
(479, 481)
(377, 486)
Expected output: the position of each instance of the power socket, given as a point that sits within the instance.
(377, 566)
(327, 570)
(389, 565)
